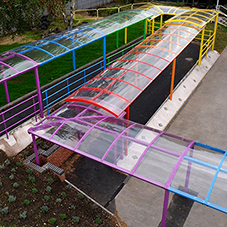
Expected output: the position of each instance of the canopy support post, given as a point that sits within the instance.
(39, 92)
(165, 208)
(117, 39)
(201, 47)
(127, 113)
(215, 30)
(74, 60)
(153, 26)
(5, 85)
(6, 92)
(145, 29)
(161, 20)
(35, 150)
(104, 52)
(172, 79)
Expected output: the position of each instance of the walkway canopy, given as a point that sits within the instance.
(121, 83)
(176, 164)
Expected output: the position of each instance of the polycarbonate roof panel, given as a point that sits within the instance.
(54, 46)
(111, 90)
(185, 167)
(13, 64)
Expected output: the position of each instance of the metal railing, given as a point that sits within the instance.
(18, 114)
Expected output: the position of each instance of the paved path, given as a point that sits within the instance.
(203, 119)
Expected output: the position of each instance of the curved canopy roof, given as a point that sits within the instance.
(12, 64)
(121, 83)
(194, 170)
(47, 49)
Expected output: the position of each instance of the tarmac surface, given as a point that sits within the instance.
(202, 119)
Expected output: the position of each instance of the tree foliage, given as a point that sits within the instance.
(24, 15)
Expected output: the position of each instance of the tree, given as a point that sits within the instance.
(24, 15)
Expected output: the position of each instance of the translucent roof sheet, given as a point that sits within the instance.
(118, 86)
(13, 64)
(194, 170)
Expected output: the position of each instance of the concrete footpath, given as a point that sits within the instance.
(203, 118)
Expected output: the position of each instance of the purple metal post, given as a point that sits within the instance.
(5, 85)
(39, 91)
(35, 150)
(165, 208)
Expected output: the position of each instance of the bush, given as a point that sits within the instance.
(75, 219)
(94, 206)
(68, 186)
(0, 184)
(4, 210)
(18, 164)
(7, 161)
(58, 200)
(11, 198)
(13, 170)
(34, 190)
(52, 220)
(46, 197)
(23, 215)
(44, 209)
(63, 216)
(29, 171)
(31, 179)
(48, 189)
(50, 180)
(63, 194)
(26, 202)
(98, 221)
(80, 196)
(2, 166)
(15, 185)
(11, 177)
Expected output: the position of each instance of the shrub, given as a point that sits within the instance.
(34, 190)
(31, 179)
(11, 177)
(18, 164)
(7, 161)
(4, 210)
(68, 186)
(26, 202)
(48, 189)
(98, 221)
(80, 196)
(13, 170)
(72, 207)
(63, 216)
(0, 184)
(75, 219)
(46, 197)
(2, 166)
(63, 194)
(94, 206)
(11, 198)
(50, 180)
(58, 200)
(52, 220)
(26, 153)
(44, 209)
(29, 171)
(23, 215)
(15, 185)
